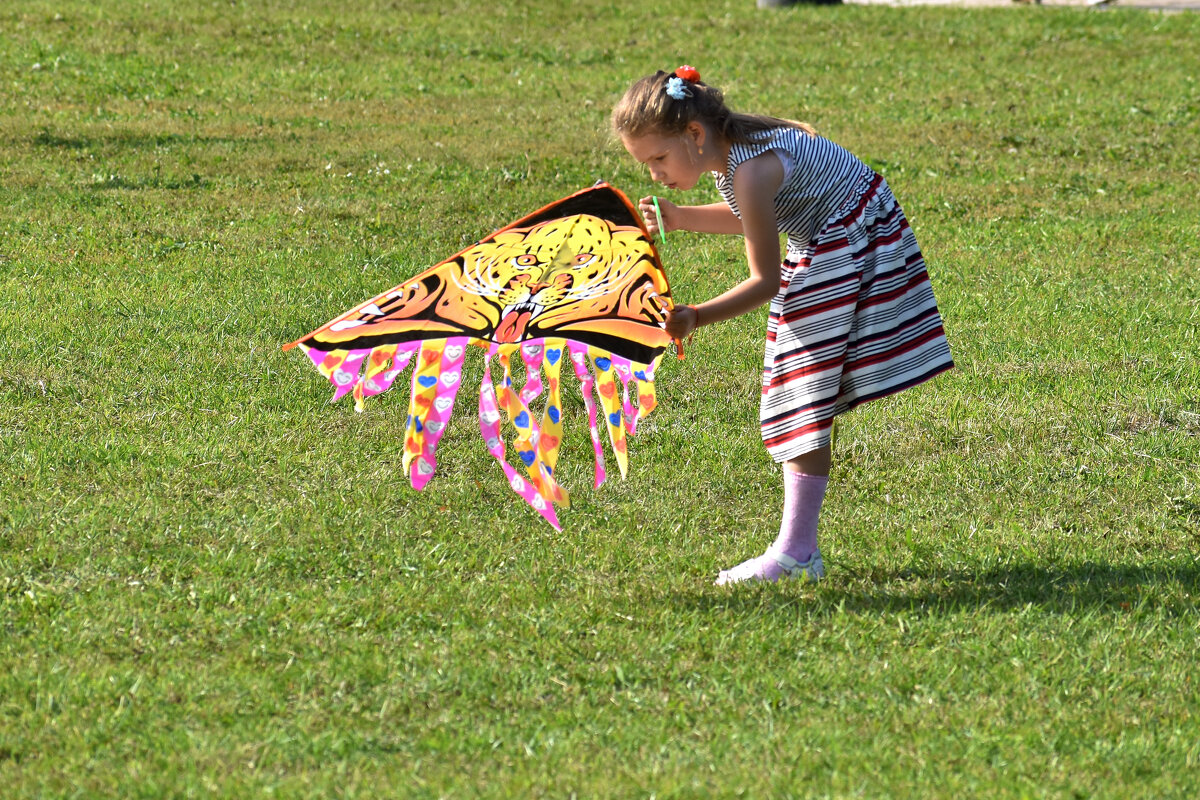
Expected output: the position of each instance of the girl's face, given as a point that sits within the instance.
(674, 161)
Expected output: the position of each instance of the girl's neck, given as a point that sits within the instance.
(715, 151)
(720, 155)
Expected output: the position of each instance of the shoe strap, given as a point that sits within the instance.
(790, 564)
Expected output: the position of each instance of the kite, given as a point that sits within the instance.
(577, 284)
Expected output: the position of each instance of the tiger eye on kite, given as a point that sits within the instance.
(578, 278)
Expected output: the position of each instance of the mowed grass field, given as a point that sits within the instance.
(215, 584)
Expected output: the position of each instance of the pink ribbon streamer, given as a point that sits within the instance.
(579, 360)
(440, 410)
(489, 427)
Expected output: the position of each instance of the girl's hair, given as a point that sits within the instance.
(648, 108)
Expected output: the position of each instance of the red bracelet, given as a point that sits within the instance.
(697, 310)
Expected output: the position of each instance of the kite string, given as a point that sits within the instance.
(662, 232)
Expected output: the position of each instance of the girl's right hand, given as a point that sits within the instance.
(682, 321)
(670, 214)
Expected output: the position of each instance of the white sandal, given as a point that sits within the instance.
(813, 569)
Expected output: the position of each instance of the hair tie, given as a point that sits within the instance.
(677, 89)
(677, 84)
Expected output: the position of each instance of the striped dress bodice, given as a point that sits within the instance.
(818, 177)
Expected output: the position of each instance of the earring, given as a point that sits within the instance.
(700, 150)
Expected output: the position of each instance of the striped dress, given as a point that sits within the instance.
(855, 318)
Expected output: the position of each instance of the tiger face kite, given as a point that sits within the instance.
(578, 282)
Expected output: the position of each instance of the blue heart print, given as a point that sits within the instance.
(553, 354)
(640, 375)
(553, 413)
(603, 363)
(427, 380)
(521, 420)
(615, 418)
(527, 456)
(419, 426)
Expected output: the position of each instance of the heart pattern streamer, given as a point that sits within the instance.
(435, 382)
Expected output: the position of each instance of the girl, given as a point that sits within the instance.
(852, 314)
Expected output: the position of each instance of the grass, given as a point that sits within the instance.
(212, 583)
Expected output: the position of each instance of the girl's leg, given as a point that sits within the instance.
(814, 462)
(805, 479)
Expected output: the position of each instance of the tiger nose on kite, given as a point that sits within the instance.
(515, 318)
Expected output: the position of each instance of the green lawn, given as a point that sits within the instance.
(214, 583)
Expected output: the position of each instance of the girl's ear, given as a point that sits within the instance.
(698, 132)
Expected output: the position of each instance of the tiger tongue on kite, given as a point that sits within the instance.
(578, 281)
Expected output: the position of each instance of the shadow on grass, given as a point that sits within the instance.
(1072, 589)
(131, 140)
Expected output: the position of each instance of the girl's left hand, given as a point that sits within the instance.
(682, 321)
(669, 211)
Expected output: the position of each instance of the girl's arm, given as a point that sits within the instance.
(754, 185)
(712, 218)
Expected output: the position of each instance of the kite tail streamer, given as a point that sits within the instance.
(551, 436)
(519, 415)
(350, 367)
(326, 361)
(529, 433)
(377, 361)
(339, 366)
(489, 426)
(647, 398)
(624, 369)
(437, 415)
(384, 365)
(578, 354)
(435, 382)
(541, 472)
(606, 384)
(424, 391)
(532, 354)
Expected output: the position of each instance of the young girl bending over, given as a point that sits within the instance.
(852, 314)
